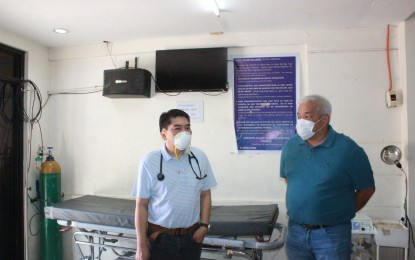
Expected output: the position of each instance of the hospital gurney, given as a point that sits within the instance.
(108, 223)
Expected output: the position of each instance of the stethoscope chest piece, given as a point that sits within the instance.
(160, 176)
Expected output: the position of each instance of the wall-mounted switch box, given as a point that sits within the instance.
(391, 99)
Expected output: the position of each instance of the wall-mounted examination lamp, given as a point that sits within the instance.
(391, 155)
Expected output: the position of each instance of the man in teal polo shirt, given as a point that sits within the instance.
(329, 179)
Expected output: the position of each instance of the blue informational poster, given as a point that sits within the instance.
(265, 90)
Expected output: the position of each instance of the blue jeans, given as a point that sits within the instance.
(170, 247)
(328, 243)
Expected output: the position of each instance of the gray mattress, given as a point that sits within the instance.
(246, 220)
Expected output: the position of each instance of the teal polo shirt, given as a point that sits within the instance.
(322, 180)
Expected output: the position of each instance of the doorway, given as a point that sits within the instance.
(11, 154)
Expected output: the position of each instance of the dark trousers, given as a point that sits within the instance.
(170, 247)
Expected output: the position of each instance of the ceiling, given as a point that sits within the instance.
(95, 21)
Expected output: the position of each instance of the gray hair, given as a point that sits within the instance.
(323, 106)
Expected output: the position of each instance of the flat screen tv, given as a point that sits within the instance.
(203, 70)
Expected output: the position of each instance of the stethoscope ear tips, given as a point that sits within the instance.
(160, 176)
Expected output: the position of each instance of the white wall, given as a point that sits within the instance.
(101, 140)
(98, 141)
(37, 70)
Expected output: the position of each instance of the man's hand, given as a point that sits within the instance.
(200, 234)
(141, 216)
(142, 253)
(363, 196)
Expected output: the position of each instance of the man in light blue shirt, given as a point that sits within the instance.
(172, 190)
(329, 179)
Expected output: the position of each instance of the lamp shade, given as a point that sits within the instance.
(391, 154)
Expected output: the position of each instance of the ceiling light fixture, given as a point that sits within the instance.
(215, 8)
(60, 30)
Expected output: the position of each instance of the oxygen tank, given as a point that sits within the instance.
(50, 193)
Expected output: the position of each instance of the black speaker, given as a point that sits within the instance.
(122, 83)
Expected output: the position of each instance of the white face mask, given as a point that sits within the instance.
(305, 128)
(182, 140)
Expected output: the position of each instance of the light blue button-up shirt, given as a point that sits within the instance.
(175, 201)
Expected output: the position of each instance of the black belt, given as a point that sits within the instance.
(312, 227)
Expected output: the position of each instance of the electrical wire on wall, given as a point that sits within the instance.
(32, 117)
(12, 93)
(390, 98)
(165, 93)
(407, 221)
(388, 57)
(13, 110)
(110, 52)
(86, 90)
(18, 111)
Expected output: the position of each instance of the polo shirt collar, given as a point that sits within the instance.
(166, 155)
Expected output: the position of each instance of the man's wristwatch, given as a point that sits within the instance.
(205, 225)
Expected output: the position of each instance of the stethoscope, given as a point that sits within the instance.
(190, 156)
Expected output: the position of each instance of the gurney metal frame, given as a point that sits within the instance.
(232, 246)
(100, 237)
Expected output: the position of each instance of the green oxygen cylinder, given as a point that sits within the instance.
(50, 193)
